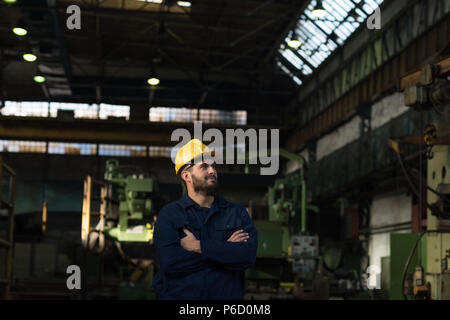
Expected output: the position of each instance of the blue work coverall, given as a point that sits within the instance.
(219, 271)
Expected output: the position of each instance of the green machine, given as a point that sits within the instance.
(136, 208)
(287, 206)
(274, 233)
(284, 246)
(286, 201)
(127, 204)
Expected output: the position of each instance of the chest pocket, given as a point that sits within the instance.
(191, 225)
(226, 229)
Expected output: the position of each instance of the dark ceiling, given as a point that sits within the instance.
(214, 54)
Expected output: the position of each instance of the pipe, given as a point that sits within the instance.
(369, 233)
(388, 226)
(300, 160)
(303, 204)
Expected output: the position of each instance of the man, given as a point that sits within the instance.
(203, 242)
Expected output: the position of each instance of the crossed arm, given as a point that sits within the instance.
(186, 255)
(190, 242)
(237, 253)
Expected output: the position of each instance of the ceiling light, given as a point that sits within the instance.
(319, 11)
(20, 31)
(29, 57)
(9, 1)
(294, 43)
(39, 79)
(184, 3)
(153, 81)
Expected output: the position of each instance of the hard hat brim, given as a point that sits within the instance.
(192, 161)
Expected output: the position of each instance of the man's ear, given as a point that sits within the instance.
(185, 176)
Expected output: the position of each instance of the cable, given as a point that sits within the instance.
(434, 105)
(405, 173)
(420, 188)
(412, 253)
(419, 195)
(437, 110)
(413, 188)
(405, 269)
(440, 195)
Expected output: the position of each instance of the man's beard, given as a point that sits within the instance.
(201, 186)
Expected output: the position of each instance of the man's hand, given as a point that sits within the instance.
(238, 236)
(190, 242)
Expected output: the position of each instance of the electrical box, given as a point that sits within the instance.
(305, 252)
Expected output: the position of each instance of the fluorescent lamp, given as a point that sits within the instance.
(29, 57)
(20, 31)
(39, 79)
(319, 11)
(294, 43)
(184, 3)
(153, 81)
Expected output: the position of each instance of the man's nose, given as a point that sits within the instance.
(211, 170)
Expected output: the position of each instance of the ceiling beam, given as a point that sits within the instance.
(100, 131)
(143, 16)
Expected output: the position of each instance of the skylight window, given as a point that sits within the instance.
(72, 148)
(321, 36)
(166, 114)
(51, 109)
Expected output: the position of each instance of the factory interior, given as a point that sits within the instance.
(354, 94)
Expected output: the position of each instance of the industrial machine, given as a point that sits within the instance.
(429, 277)
(288, 256)
(437, 280)
(127, 207)
(128, 202)
(287, 204)
(136, 208)
(291, 258)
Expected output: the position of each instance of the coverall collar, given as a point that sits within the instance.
(219, 201)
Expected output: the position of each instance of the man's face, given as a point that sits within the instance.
(204, 177)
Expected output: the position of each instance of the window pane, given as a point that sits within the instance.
(22, 146)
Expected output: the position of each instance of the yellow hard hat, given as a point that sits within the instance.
(189, 152)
